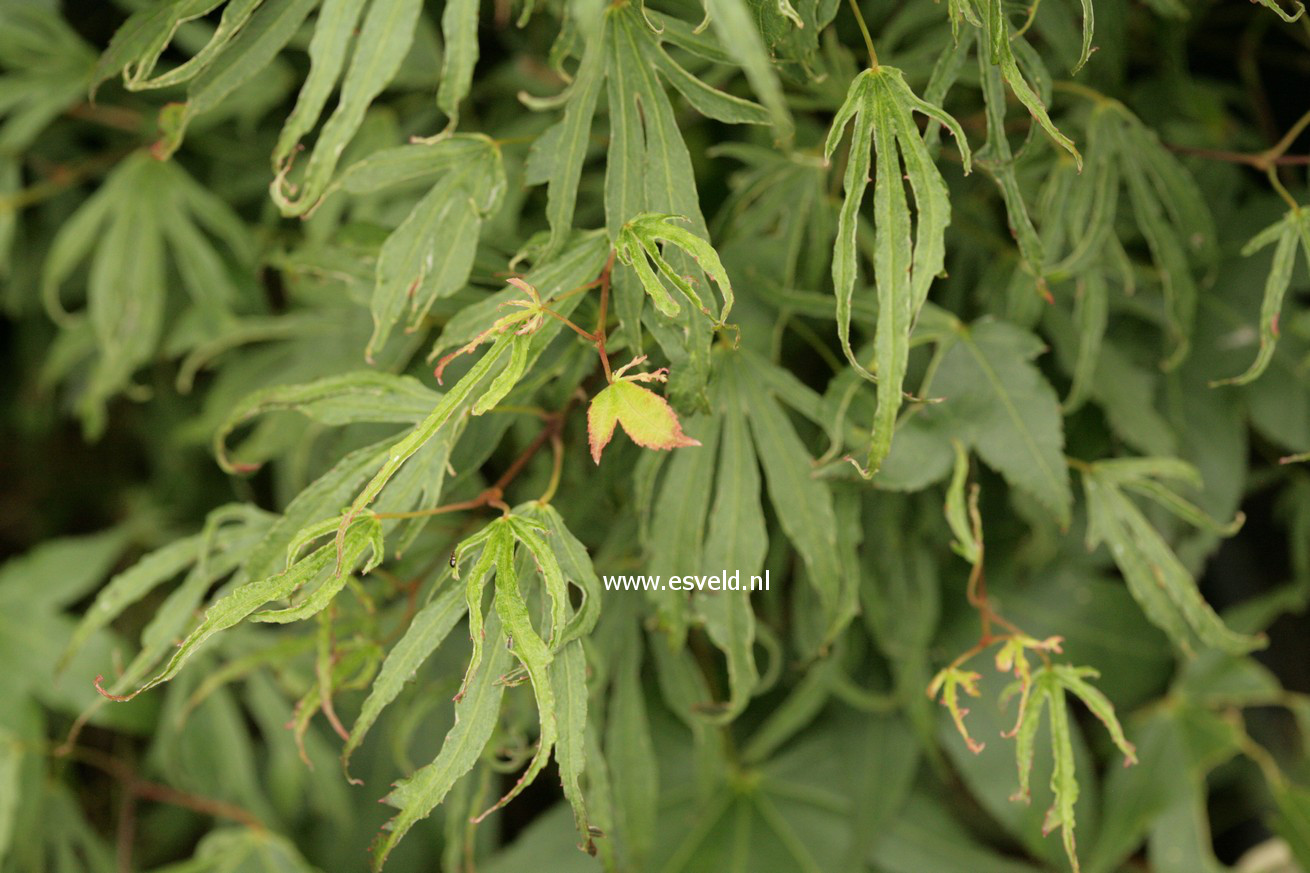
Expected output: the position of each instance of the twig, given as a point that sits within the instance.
(160, 793)
(604, 310)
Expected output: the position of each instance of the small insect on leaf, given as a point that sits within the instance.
(646, 417)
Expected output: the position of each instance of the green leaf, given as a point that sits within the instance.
(145, 212)
(249, 53)
(532, 652)
(804, 504)
(1278, 10)
(1159, 581)
(629, 752)
(476, 714)
(999, 44)
(962, 512)
(11, 757)
(459, 30)
(1293, 820)
(1294, 227)
(425, 634)
(568, 674)
(363, 395)
(424, 432)
(732, 20)
(997, 402)
(162, 565)
(710, 102)
(333, 30)
(384, 38)
(735, 542)
(1172, 215)
(881, 103)
(564, 150)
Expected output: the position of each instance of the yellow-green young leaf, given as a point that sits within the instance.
(1158, 580)
(1074, 680)
(1294, 227)
(949, 683)
(532, 653)
(645, 416)
(575, 565)
(1025, 736)
(507, 378)
(881, 105)
(1089, 28)
(1064, 778)
(639, 240)
(324, 563)
(1048, 692)
(531, 534)
(438, 419)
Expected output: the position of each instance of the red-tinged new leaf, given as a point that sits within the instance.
(645, 416)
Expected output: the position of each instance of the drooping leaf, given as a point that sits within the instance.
(384, 37)
(1162, 585)
(1294, 227)
(476, 713)
(880, 103)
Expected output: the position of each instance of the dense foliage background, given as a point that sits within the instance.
(985, 326)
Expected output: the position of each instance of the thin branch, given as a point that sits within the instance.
(1258, 160)
(160, 793)
(604, 315)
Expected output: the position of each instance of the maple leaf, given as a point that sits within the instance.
(646, 417)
